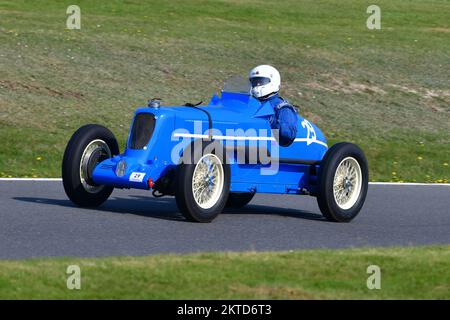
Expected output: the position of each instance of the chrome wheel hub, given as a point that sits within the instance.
(348, 185)
(95, 151)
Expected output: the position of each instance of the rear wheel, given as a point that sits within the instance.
(88, 146)
(239, 199)
(343, 182)
(202, 188)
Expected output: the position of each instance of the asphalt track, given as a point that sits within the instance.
(37, 220)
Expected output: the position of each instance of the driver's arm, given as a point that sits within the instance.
(287, 125)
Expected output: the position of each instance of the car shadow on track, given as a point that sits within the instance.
(166, 209)
(154, 208)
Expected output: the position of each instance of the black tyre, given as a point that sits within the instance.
(343, 182)
(87, 147)
(239, 199)
(203, 185)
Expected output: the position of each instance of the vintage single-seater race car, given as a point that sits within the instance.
(215, 156)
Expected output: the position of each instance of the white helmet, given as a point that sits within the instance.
(265, 81)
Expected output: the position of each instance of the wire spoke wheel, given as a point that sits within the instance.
(202, 188)
(347, 183)
(342, 182)
(207, 181)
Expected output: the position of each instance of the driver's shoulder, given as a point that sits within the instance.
(282, 103)
(277, 101)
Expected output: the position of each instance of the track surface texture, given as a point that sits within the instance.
(37, 220)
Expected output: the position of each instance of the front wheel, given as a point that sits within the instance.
(88, 146)
(343, 182)
(203, 187)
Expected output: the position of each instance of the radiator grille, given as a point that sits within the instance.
(142, 130)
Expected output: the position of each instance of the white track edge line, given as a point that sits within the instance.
(373, 183)
(410, 183)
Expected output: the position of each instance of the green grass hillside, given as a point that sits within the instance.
(387, 90)
(406, 273)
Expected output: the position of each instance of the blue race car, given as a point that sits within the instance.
(215, 156)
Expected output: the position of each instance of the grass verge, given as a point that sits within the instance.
(406, 273)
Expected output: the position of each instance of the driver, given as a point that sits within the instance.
(266, 81)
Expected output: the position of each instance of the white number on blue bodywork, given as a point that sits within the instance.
(310, 132)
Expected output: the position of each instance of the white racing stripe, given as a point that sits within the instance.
(372, 183)
(205, 136)
(309, 141)
(240, 138)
